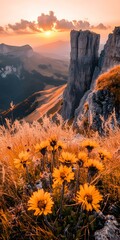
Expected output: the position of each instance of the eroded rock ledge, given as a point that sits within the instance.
(85, 67)
(84, 58)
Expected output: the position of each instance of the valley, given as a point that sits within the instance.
(24, 72)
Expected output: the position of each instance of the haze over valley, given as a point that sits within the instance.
(24, 72)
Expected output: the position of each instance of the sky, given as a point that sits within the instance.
(37, 22)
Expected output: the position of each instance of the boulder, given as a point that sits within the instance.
(110, 231)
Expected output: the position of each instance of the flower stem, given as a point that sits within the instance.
(27, 174)
(61, 200)
(77, 178)
(89, 177)
(43, 164)
(48, 224)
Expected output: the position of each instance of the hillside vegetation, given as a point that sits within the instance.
(111, 81)
(56, 183)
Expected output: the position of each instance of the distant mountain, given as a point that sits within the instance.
(16, 50)
(58, 49)
(24, 72)
(37, 105)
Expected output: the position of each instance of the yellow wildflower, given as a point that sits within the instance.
(89, 144)
(53, 141)
(89, 197)
(60, 145)
(94, 166)
(42, 147)
(22, 160)
(62, 174)
(67, 158)
(82, 158)
(104, 154)
(40, 202)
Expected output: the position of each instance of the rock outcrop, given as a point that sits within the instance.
(111, 230)
(85, 67)
(110, 56)
(84, 58)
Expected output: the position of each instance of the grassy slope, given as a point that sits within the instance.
(15, 191)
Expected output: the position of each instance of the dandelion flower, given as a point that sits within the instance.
(63, 174)
(42, 147)
(89, 144)
(94, 166)
(82, 158)
(22, 160)
(104, 154)
(40, 202)
(89, 197)
(67, 158)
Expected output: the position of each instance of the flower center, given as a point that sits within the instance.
(59, 147)
(89, 148)
(23, 162)
(62, 175)
(101, 156)
(41, 204)
(93, 170)
(80, 162)
(68, 161)
(53, 143)
(43, 150)
(88, 197)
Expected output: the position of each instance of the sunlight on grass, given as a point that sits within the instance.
(54, 183)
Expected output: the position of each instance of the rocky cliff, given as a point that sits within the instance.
(84, 58)
(110, 55)
(85, 67)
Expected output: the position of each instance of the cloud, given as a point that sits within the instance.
(63, 25)
(2, 30)
(23, 26)
(81, 24)
(47, 22)
(100, 26)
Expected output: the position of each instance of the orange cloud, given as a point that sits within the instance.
(47, 22)
(64, 25)
(2, 30)
(100, 26)
(23, 26)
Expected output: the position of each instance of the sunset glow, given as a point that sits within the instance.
(31, 20)
(48, 33)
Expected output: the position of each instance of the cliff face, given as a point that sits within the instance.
(110, 55)
(85, 67)
(84, 58)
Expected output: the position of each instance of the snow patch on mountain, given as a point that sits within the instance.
(7, 70)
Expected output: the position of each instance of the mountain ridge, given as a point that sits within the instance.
(37, 105)
(22, 74)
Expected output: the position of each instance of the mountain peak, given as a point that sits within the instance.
(16, 50)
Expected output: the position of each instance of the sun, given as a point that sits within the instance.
(48, 33)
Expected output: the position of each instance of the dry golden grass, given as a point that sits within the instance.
(18, 185)
(110, 80)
